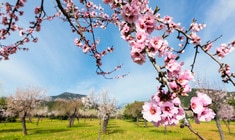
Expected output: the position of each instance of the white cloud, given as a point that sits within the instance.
(16, 73)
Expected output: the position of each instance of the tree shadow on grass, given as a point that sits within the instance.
(48, 131)
(113, 126)
(232, 133)
(189, 138)
(114, 131)
(10, 130)
(163, 131)
(82, 125)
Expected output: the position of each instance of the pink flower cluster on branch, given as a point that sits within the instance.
(138, 25)
(163, 109)
(11, 15)
(199, 105)
(84, 22)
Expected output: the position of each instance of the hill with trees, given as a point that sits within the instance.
(68, 96)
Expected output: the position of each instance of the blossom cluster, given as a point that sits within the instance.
(163, 109)
(139, 23)
(199, 105)
(10, 17)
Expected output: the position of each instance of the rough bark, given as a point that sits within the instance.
(137, 121)
(24, 129)
(218, 125)
(227, 123)
(72, 117)
(38, 120)
(105, 123)
(145, 123)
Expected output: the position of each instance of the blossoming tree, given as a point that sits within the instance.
(146, 32)
(24, 101)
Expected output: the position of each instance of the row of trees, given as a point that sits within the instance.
(33, 102)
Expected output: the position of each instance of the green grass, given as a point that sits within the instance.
(117, 130)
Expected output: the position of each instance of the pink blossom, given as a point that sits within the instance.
(141, 37)
(130, 13)
(204, 98)
(4, 20)
(157, 44)
(208, 47)
(168, 109)
(124, 31)
(137, 56)
(86, 49)
(196, 105)
(173, 67)
(147, 22)
(223, 50)
(151, 112)
(107, 1)
(37, 10)
(77, 42)
(138, 46)
(206, 115)
(195, 39)
(199, 106)
(195, 27)
(167, 19)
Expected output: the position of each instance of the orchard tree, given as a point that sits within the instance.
(226, 113)
(24, 101)
(3, 107)
(103, 104)
(40, 112)
(69, 108)
(147, 33)
(134, 110)
(106, 107)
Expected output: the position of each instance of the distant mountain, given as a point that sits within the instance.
(68, 96)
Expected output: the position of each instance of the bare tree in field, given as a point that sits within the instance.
(24, 101)
(68, 108)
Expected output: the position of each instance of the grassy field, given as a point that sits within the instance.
(117, 130)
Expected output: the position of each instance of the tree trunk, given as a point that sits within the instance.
(137, 121)
(227, 123)
(218, 125)
(145, 123)
(24, 124)
(39, 118)
(78, 118)
(30, 119)
(72, 117)
(105, 123)
(71, 121)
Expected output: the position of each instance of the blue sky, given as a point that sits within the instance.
(54, 63)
